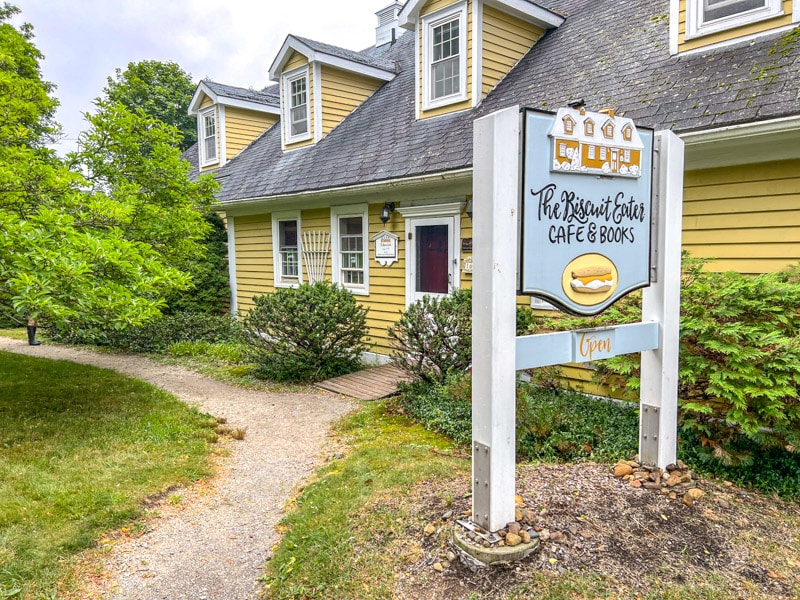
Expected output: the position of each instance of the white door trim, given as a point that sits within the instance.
(424, 218)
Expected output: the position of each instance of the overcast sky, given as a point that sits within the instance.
(229, 41)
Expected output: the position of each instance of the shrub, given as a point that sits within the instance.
(156, 335)
(308, 333)
(739, 358)
(444, 406)
(569, 426)
(551, 425)
(433, 338)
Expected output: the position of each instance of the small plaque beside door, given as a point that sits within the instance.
(385, 247)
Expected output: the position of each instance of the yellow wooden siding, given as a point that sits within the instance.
(206, 102)
(746, 216)
(242, 126)
(254, 266)
(729, 34)
(387, 285)
(506, 39)
(296, 61)
(429, 7)
(342, 93)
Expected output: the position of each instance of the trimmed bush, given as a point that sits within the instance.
(308, 333)
(433, 337)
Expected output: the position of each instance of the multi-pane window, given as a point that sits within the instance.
(446, 61)
(708, 16)
(209, 136)
(351, 251)
(289, 251)
(298, 101)
(444, 71)
(719, 9)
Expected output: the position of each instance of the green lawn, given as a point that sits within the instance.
(80, 449)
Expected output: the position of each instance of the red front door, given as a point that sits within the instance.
(433, 268)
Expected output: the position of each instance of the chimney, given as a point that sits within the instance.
(388, 29)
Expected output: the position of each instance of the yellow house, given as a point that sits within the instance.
(362, 174)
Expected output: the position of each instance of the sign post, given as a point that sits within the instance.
(496, 192)
(661, 303)
(598, 216)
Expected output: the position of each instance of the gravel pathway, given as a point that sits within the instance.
(212, 545)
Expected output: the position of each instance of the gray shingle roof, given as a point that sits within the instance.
(607, 53)
(269, 96)
(617, 54)
(351, 55)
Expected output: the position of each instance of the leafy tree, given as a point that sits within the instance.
(161, 89)
(99, 241)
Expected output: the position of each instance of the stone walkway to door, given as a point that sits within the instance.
(213, 544)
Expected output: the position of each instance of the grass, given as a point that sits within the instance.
(17, 333)
(339, 538)
(224, 361)
(80, 450)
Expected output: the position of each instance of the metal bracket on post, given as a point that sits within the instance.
(648, 432)
(481, 498)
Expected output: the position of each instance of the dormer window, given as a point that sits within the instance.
(608, 130)
(296, 113)
(588, 128)
(709, 16)
(627, 133)
(444, 76)
(569, 125)
(208, 136)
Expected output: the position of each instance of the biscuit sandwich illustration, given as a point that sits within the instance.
(592, 280)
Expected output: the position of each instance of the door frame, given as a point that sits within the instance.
(432, 214)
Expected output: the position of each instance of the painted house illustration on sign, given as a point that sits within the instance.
(580, 145)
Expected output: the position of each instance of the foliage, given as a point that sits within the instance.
(444, 407)
(209, 292)
(308, 333)
(551, 425)
(341, 538)
(776, 470)
(158, 334)
(161, 89)
(433, 337)
(99, 241)
(739, 357)
(76, 465)
(569, 426)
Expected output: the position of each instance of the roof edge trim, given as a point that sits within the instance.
(233, 206)
(522, 9)
(204, 89)
(293, 44)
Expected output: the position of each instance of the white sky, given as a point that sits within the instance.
(229, 41)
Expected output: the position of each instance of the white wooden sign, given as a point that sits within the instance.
(497, 148)
(385, 247)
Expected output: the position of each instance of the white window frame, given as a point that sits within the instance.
(338, 212)
(429, 22)
(279, 279)
(696, 27)
(206, 160)
(288, 78)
